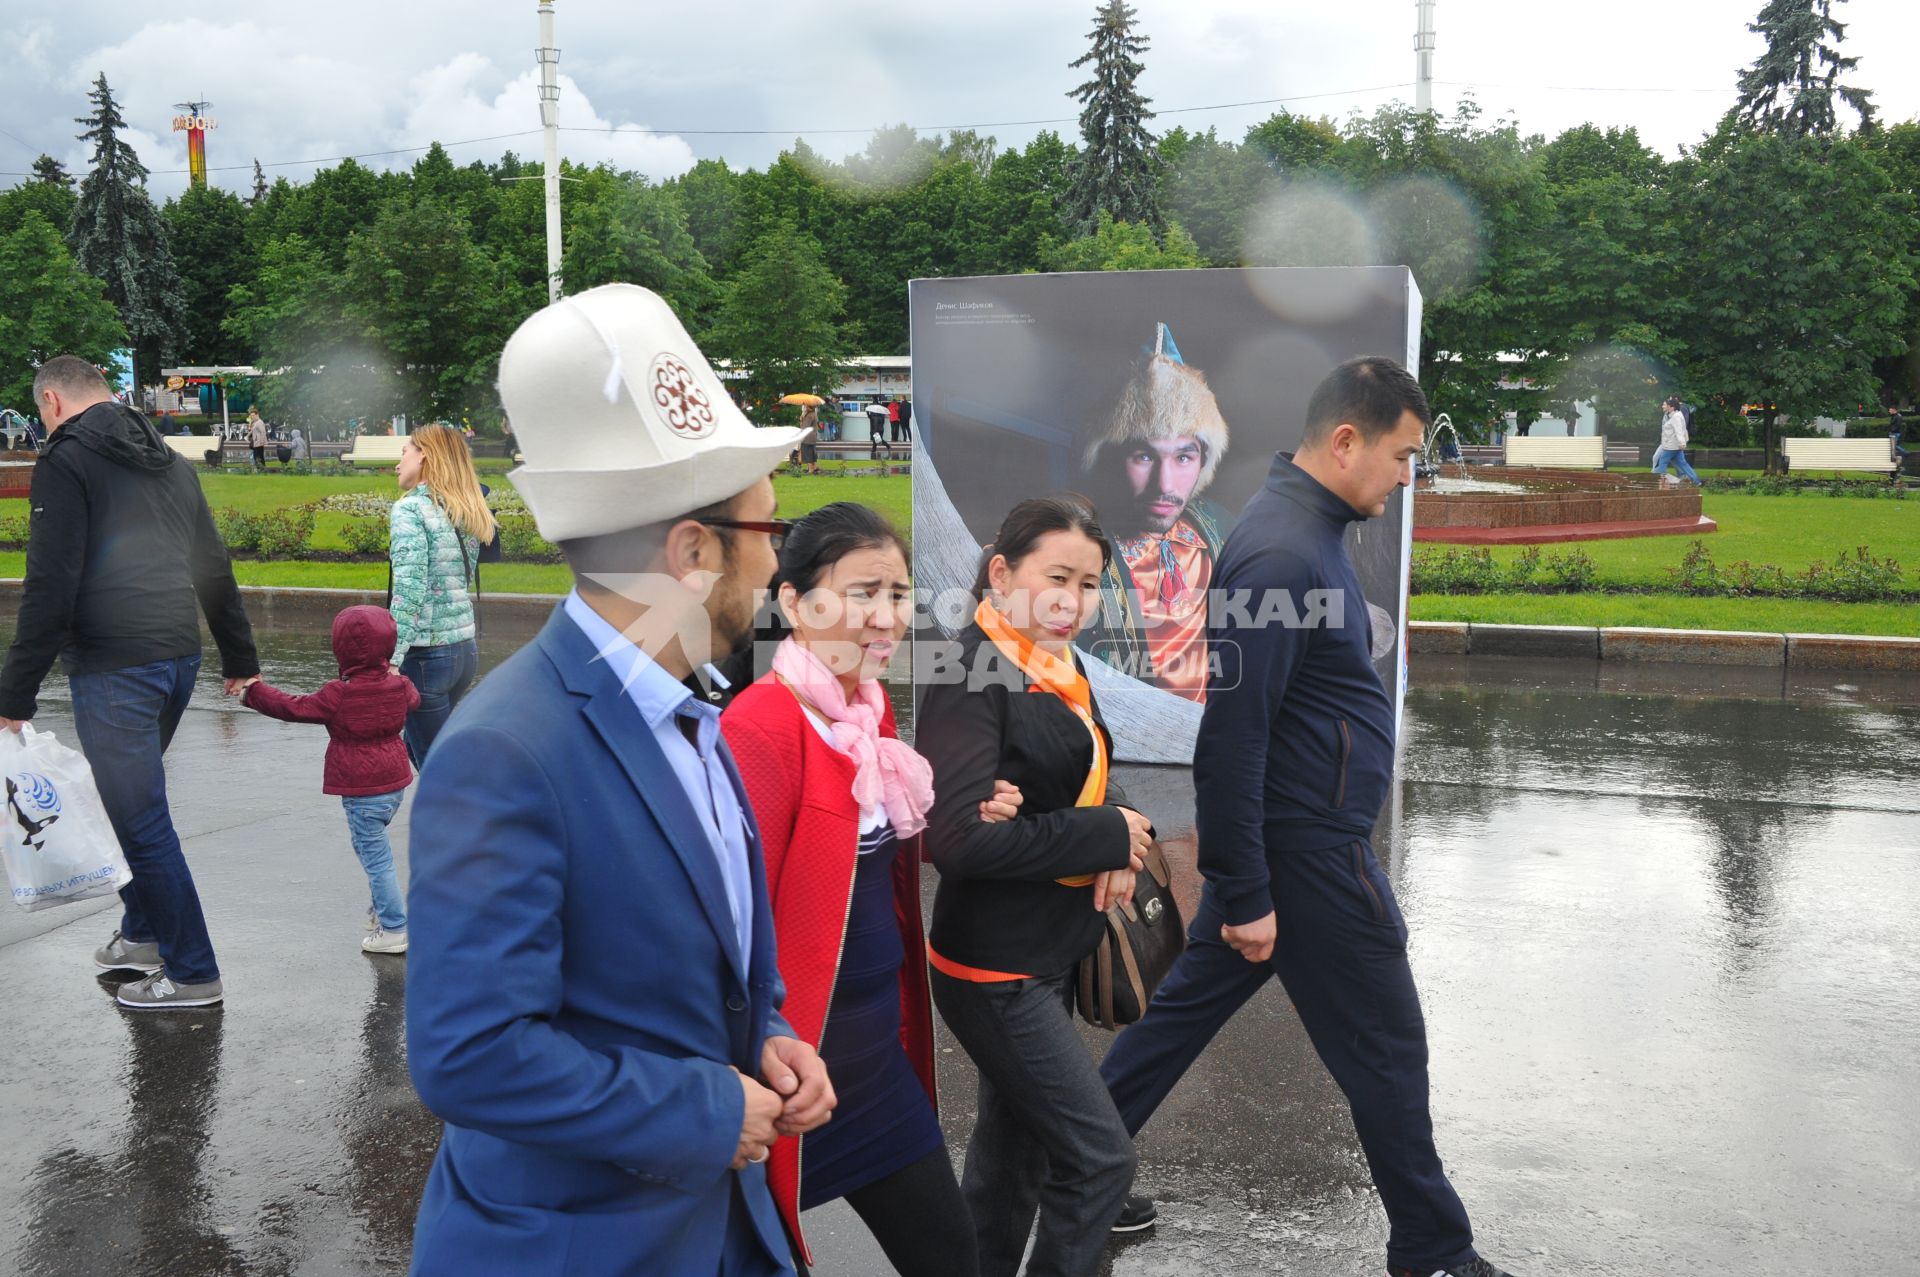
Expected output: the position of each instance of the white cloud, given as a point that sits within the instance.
(457, 99)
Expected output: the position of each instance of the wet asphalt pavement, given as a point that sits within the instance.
(1661, 918)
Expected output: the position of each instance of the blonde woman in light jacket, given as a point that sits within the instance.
(434, 536)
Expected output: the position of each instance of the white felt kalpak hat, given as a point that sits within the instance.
(621, 422)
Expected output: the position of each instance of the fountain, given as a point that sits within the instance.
(1508, 505)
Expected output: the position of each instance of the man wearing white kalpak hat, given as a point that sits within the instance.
(593, 1001)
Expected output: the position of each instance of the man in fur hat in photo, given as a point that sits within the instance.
(1146, 467)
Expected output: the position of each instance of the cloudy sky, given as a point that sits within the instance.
(655, 86)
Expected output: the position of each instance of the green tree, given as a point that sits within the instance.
(1609, 295)
(294, 314)
(52, 200)
(1791, 88)
(207, 228)
(1115, 172)
(1462, 205)
(1799, 272)
(52, 172)
(1209, 186)
(48, 307)
(628, 231)
(118, 236)
(780, 321)
(259, 185)
(430, 301)
(707, 194)
(1119, 246)
(1897, 151)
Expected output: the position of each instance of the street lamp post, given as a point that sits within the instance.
(549, 57)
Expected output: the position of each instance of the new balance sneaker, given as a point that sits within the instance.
(1475, 1267)
(159, 993)
(1137, 1215)
(122, 954)
(384, 942)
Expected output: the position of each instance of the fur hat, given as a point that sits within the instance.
(620, 419)
(1164, 400)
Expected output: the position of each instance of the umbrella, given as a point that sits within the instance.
(811, 401)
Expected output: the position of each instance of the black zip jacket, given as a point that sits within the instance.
(998, 907)
(121, 546)
(1296, 746)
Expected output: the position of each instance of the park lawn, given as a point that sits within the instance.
(1791, 532)
(1671, 611)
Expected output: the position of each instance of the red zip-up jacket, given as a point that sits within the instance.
(364, 709)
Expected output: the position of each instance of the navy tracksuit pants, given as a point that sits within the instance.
(1341, 953)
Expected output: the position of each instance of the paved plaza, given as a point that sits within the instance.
(1661, 919)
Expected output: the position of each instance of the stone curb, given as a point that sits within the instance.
(525, 613)
(1691, 647)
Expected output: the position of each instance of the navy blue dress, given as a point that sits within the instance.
(884, 1121)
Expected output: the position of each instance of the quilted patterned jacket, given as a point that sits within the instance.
(430, 606)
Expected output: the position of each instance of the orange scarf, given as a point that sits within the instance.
(1059, 677)
(1056, 677)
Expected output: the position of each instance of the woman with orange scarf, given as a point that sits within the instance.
(1021, 902)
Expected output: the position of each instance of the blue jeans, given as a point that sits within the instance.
(368, 816)
(125, 719)
(1341, 954)
(443, 674)
(1677, 456)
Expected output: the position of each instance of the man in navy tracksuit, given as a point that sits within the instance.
(1293, 763)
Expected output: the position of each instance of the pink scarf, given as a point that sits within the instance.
(888, 773)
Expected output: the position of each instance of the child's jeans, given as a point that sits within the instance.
(368, 816)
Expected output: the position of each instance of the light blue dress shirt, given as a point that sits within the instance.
(661, 700)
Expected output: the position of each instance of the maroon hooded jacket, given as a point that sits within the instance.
(364, 709)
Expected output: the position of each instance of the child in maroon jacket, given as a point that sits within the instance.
(364, 710)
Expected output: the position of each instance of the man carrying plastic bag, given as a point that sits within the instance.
(55, 837)
(121, 546)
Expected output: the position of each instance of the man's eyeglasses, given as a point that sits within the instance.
(777, 530)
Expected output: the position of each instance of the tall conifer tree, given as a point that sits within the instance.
(1791, 89)
(1116, 171)
(119, 236)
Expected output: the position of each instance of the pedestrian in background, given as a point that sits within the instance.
(363, 711)
(435, 532)
(122, 548)
(1673, 443)
(257, 438)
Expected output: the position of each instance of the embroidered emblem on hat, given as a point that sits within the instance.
(682, 405)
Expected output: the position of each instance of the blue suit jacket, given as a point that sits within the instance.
(574, 992)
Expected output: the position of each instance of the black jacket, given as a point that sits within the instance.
(1296, 747)
(120, 545)
(998, 906)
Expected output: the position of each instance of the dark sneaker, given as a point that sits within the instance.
(1475, 1267)
(158, 993)
(121, 954)
(1137, 1216)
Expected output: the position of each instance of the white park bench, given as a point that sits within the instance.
(1578, 452)
(375, 450)
(1875, 455)
(193, 447)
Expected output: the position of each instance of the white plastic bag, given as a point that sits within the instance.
(54, 833)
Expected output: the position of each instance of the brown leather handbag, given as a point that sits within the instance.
(1141, 942)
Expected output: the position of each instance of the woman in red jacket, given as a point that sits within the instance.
(840, 802)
